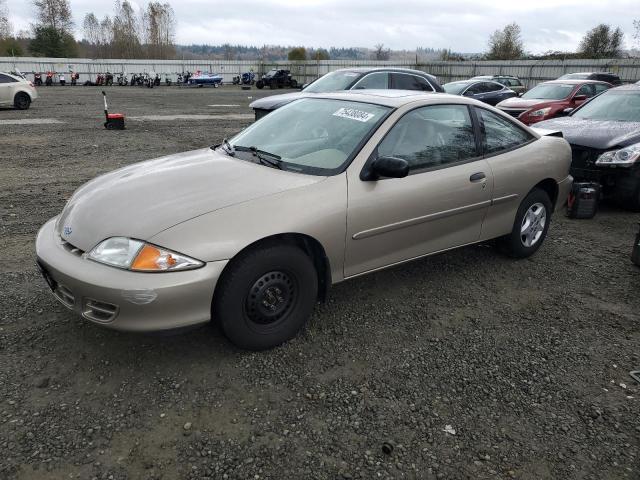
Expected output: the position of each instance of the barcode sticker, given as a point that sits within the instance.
(354, 114)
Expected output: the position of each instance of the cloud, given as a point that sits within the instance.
(462, 25)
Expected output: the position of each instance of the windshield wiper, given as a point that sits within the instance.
(266, 158)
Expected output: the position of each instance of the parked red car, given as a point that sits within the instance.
(552, 99)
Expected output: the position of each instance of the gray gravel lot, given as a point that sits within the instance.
(525, 364)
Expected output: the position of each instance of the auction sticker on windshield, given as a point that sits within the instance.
(354, 114)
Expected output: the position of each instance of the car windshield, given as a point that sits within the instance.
(550, 91)
(271, 72)
(333, 82)
(455, 88)
(311, 135)
(618, 106)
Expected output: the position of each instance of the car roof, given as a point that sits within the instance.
(475, 80)
(385, 69)
(591, 73)
(387, 98)
(494, 76)
(575, 81)
(630, 87)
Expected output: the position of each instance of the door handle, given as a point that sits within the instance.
(476, 177)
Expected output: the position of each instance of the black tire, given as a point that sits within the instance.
(518, 245)
(266, 296)
(260, 84)
(22, 101)
(294, 83)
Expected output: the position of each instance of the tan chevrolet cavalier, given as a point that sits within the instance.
(252, 232)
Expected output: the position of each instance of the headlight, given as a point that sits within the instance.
(540, 112)
(126, 253)
(625, 157)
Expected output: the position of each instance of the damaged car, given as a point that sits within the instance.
(604, 134)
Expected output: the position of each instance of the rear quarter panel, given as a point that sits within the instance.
(516, 173)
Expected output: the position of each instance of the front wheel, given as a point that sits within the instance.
(294, 84)
(22, 101)
(266, 296)
(260, 84)
(530, 226)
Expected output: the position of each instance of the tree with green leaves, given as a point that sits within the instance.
(602, 42)
(320, 54)
(298, 53)
(506, 44)
(50, 42)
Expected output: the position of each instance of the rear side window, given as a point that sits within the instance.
(430, 137)
(587, 90)
(6, 79)
(500, 134)
(402, 81)
(373, 80)
(600, 87)
(491, 87)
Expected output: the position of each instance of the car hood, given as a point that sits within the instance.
(273, 102)
(143, 199)
(517, 102)
(599, 134)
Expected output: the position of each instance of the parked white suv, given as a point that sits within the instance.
(16, 91)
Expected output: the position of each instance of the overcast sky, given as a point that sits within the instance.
(462, 25)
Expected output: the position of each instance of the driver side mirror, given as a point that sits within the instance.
(579, 98)
(386, 167)
(567, 111)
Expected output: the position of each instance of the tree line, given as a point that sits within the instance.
(148, 33)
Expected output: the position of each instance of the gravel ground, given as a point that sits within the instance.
(465, 365)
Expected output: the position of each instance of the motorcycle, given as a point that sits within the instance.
(247, 78)
(156, 80)
(123, 81)
(167, 81)
(49, 80)
(108, 79)
(74, 78)
(62, 80)
(37, 79)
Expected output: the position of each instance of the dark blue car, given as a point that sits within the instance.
(483, 90)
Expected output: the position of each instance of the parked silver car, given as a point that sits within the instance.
(253, 232)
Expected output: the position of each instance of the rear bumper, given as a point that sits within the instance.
(121, 299)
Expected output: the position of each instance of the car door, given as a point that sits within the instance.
(6, 89)
(441, 203)
(494, 93)
(514, 161)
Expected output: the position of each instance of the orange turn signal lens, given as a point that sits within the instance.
(150, 258)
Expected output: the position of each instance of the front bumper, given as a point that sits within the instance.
(122, 299)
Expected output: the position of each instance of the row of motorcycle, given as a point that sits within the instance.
(107, 79)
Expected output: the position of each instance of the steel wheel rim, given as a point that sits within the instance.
(533, 225)
(271, 298)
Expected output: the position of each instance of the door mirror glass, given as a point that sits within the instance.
(567, 111)
(389, 167)
(579, 98)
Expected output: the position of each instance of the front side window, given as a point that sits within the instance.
(373, 80)
(491, 86)
(600, 87)
(499, 133)
(456, 88)
(403, 81)
(311, 135)
(433, 136)
(6, 79)
(587, 90)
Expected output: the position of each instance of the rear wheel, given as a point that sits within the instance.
(266, 296)
(530, 226)
(260, 84)
(22, 101)
(294, 83)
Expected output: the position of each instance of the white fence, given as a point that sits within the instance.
(530, 71)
